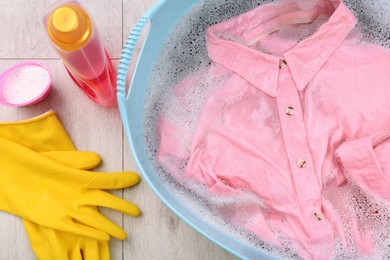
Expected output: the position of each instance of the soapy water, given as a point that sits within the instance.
(184, 54)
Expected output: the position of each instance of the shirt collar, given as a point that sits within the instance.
(224, 44)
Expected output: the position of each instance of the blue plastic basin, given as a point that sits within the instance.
(162, 18)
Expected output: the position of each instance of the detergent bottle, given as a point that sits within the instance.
(75, 39)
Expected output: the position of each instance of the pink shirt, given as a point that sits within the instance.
(296, 125)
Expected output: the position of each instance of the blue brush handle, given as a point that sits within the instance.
(127, 55)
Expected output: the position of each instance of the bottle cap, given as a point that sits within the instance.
(69, 27)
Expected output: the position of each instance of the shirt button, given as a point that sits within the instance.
(226, 182)
(290, 111)
(317, 216)
(301, 163)
(282, 64)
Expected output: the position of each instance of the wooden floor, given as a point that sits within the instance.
(158, 233)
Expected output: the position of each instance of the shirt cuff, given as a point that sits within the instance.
(357, 155)
(362, 166)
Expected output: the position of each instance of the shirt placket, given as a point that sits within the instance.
(307, 183)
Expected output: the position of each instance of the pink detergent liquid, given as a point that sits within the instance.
(102, 87)
(77, 42)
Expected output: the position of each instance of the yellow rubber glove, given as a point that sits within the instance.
(45, 133)
(58, 196)
(49, 244)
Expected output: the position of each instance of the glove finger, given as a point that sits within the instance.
(76, 159)
(115, 180)
(104, 251)
(57, 247)
(89, 249)
(75, 255)
(38, 241)
(82, 228)
(96, 220)
(107, 200)
(34, 234)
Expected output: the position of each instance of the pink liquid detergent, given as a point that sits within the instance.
(77, 42)
(101, 88)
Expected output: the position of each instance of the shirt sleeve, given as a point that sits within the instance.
(367, 162)
(174, 132)
(179, 116)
